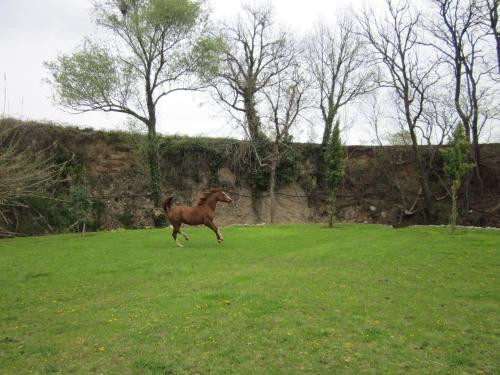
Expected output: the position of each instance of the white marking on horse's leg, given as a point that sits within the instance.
(185, 235)
(178, 243)
(220, 236)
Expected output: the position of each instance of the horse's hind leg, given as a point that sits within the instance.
(174, 234)
(212, 226)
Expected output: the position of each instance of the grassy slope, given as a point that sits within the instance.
(282, 299)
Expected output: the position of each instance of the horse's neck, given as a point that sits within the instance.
(211, 202)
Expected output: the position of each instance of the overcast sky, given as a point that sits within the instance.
(34, 31)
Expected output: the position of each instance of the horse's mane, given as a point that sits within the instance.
(206, 195)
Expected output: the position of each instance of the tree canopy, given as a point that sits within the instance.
(152, 49)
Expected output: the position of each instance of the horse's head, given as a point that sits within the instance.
(213, 196)
(223, 197)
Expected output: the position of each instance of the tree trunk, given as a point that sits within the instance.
(453, 216)
(153, 157)
(272, 181)
(327, 132)
(474, 119)
(497, 39)
(467, 189)
(332, 208)
(252, 117)
(253, 128)
(422, 175)
(320, 174)
(493, 10)
(154, 167)
(475, 146)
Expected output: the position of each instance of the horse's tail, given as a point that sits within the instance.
(168, 203)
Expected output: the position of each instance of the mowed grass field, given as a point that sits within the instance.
(294, 299)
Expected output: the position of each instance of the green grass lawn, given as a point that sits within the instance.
(294, 299)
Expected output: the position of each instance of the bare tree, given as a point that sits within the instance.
(372, 113)
(408, 74)
(338, 63)
(23, 173)
(255, 53)
(253, 47)
(461, 41)
(439, 120)
(490, 8)
(284, 101)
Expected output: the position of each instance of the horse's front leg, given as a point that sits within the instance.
(176, 230)
(209, 223)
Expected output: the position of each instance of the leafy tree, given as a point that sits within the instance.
(456, 166)
(155, 47)
(335, 169)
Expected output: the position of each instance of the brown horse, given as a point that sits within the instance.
(203, 213)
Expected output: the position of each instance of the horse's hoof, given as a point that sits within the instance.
(179, 244)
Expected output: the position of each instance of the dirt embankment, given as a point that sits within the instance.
(380, 185)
